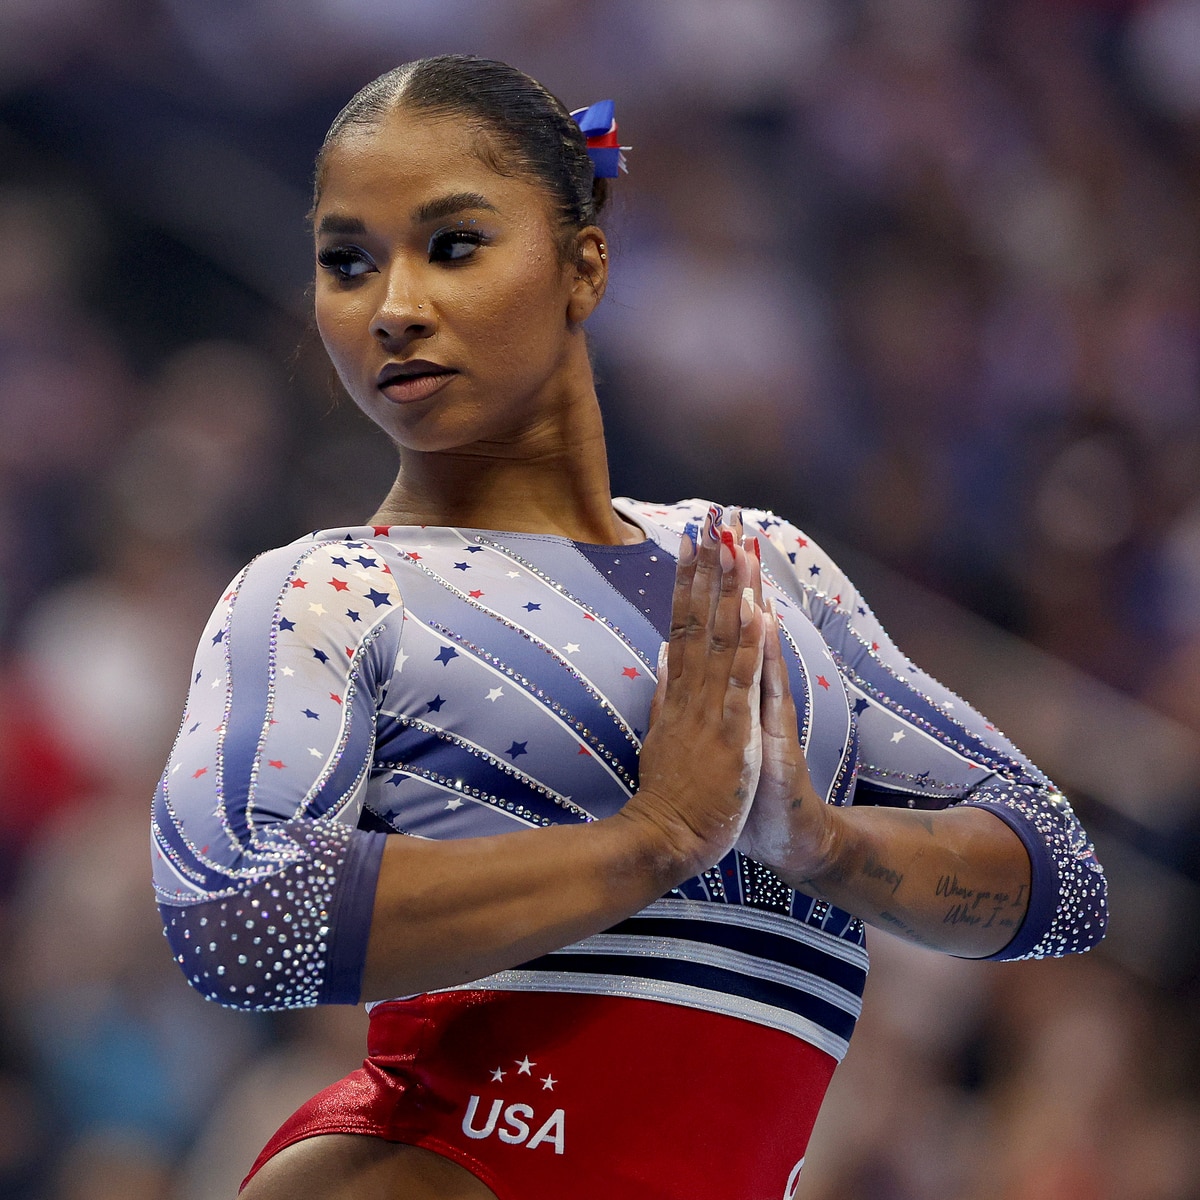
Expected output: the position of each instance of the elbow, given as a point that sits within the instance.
(234, 965)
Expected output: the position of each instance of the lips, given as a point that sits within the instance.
(413, 380)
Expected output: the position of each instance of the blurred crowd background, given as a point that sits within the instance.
(921, 274)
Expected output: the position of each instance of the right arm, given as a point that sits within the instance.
(444, 913)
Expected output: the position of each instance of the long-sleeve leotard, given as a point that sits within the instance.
(450, 683)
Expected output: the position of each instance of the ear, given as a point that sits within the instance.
(590, 267)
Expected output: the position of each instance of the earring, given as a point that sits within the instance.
(603, 252)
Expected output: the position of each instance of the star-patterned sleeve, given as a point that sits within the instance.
(263, 880)
(921, 746)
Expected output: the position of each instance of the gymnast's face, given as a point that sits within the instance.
(442, 293)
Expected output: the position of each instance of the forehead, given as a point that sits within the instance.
(408, 158)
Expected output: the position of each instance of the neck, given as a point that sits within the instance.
(550, 479)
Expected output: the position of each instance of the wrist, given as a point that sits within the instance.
(661, 843)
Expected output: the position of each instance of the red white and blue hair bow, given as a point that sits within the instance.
(600, 130)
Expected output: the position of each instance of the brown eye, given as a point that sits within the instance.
(345, 262)
(454, 245)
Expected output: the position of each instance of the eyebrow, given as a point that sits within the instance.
(337, 224)
(447, 206)
(431, 210)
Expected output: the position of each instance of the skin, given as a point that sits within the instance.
(513, 440)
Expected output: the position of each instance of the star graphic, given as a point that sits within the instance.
(548, 1083)
(531, 607)
(524, 1066)
(475, 594)
(462, 566)
(335, 697)
(276, 763)
(320, 656)
(631, 672)
(341, 562)
(512, 574)
(339, 585)
(219, 636)
(434, 705)
(860, 707)
(814, 570)
(353, 615)
(497, 1075)
(445, 654)
(285, 624)
(823, 682)
(314, 752)
(380, 530)
(898, 736)
(366, 562)
(201, 771)
(572, 647)
(455, 804)
(312, 716)
(299, 583)
(319, 609)
(516, 750)
(474, 549)
(495, 694)
(288, 671)
(378, 598)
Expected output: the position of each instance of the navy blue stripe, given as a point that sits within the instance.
(892, 691)
(425, 751)
(713, 979)
(771, 946)
(467, 626)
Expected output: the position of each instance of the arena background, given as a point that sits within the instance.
(934, 261)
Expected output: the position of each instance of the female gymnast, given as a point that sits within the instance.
(608, 903)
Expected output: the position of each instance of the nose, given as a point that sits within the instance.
(402, 314)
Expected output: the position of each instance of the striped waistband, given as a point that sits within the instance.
(749, 963)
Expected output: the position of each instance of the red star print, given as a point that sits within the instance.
(339, 585)
(197, 774)
(475, 594)
(588, 617)
(276, 763)
(229, 597)
(299, 583)
(584, 750)
(414, 556)
(823, 682)
(874, 645)
(381, 530)
(631, 672)
(349, 652)
(801, 541)
(838, 598)
(335, 697)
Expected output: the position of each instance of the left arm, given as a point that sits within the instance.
(986, 859)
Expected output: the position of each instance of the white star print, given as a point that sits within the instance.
(512, 575)
(401, 659)
(497, 1075)
(898, 736)
(571, 648)
(288, 671)
(314, 752)
(319, 609)
(548, 1083)
(524, 1066)
(176, 768)
(215, 683)
(495, 694)
(454, 805)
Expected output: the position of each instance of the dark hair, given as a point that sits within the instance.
(532, 129)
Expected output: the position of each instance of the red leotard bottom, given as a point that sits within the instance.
(547, 1095)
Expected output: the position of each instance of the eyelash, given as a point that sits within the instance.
(336, 259)
(446, 239)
